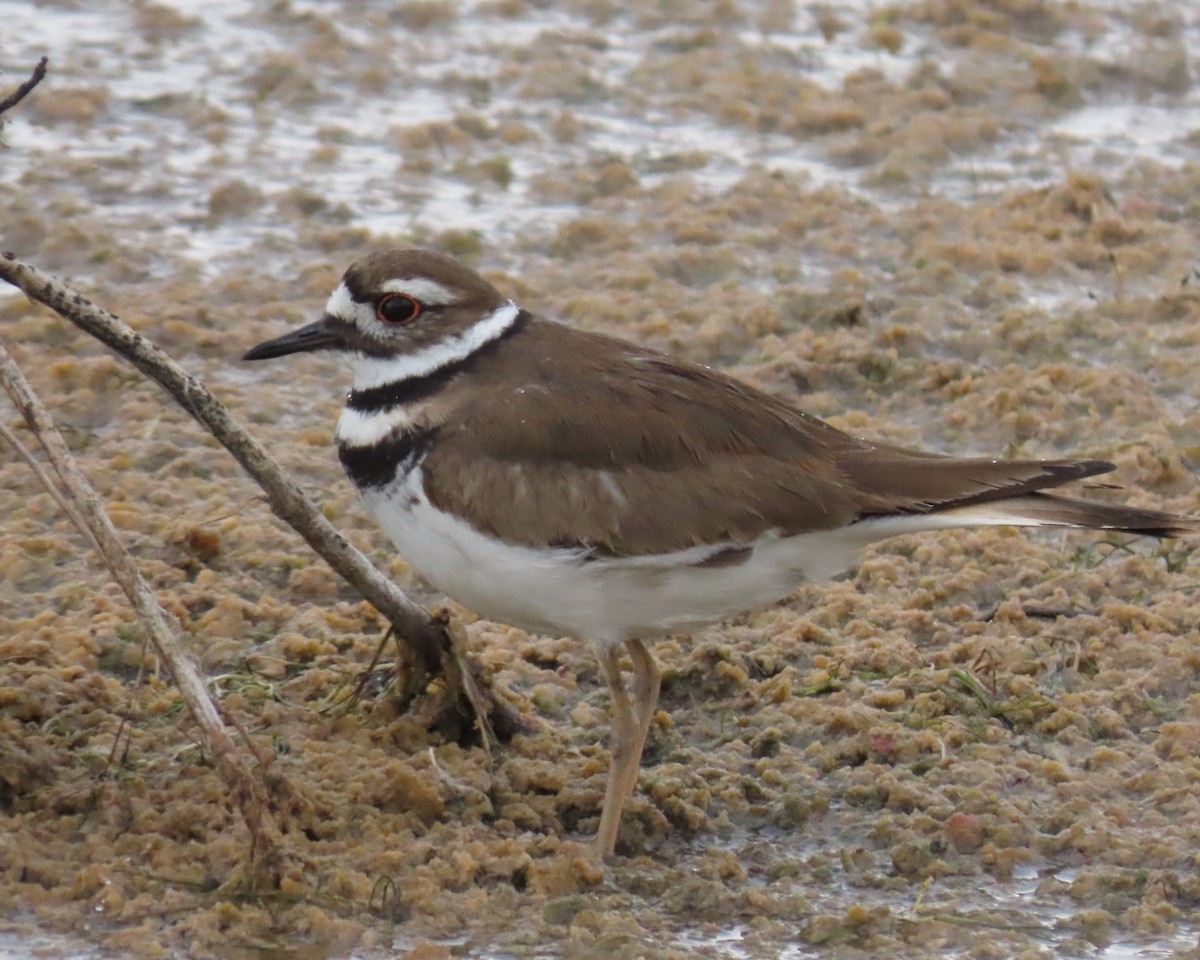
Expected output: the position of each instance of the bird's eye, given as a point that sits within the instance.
(397, 308)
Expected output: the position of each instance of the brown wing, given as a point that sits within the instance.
(625, 452)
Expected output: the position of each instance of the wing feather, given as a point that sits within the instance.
(625, 452)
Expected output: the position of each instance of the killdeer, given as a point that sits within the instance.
(575, 484)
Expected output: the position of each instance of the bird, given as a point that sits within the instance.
(571, 483)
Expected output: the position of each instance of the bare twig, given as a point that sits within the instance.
(87, 510)
(350, 702)
(65, 505)
(437, 649)
(284, 496)
(23, 90)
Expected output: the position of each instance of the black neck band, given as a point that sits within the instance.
(378, 464)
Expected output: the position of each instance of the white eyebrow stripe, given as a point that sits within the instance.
(376, 371)
(423, 290)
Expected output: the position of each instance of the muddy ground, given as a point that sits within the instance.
(970, 226)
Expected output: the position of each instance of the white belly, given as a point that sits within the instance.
(603, 600)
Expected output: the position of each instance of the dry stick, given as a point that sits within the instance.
(23, 90)
(88, 513)
(65, 505)
(436, 647)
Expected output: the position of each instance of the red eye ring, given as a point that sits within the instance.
(397, 308)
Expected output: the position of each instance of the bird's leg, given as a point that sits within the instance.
(625, 751)
(647, 679)
(630, 724)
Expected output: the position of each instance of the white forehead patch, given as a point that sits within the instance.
(341, 305)
(423, 290)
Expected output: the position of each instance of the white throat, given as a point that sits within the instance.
(376, 371)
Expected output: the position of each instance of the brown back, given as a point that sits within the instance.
(580, 440)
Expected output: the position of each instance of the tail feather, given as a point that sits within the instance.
(1052, 510)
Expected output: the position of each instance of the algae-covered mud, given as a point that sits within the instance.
(966, 225)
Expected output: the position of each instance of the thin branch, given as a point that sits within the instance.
(87, 509)
(437, 649)
(24, 89)
(65, 505)
(285, 498)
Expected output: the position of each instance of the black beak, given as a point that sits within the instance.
(320, 335)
